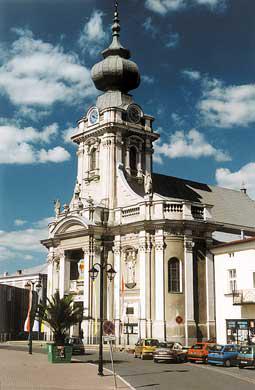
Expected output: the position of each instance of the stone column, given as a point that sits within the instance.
(117, 280)
(86, 163)
(189, 291)
(143, 287)
(159, 325)
(148, 154)
(210, 309)
(127, 160)
(86, 293)
(50, 273)
(62, 273)
(139, 164)
(80, 155)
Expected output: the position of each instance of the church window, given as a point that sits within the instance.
(93, 155)
(174, 275)
(133, 160)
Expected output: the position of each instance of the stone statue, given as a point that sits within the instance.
(57, 207)
(148, 183)
(77, 189)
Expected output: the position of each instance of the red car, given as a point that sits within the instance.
(199, 352)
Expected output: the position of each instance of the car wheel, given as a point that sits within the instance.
(227, 363)
(155, 360)
(135, 356)
(240, 366)
(142, 356)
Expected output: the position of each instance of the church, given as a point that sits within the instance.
(156, 231)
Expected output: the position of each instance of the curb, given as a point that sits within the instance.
(117, 376)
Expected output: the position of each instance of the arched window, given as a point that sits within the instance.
(93, 155)
(174, 275)
(133, 160)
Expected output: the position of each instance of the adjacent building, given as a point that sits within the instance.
(155, 230)
(235, 291)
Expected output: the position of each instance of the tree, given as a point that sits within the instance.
(59, 314)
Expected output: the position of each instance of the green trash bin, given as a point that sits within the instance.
(59, 354)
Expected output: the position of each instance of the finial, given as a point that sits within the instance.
(116, 21)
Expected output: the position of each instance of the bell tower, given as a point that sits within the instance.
(115, 136)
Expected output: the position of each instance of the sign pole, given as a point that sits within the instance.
(113, 370)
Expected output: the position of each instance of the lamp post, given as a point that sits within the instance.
(31, 285)
(93, 273)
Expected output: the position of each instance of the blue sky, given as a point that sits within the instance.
(197, 61)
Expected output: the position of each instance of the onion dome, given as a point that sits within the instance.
(116, 72)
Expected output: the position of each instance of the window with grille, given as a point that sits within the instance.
(174, 275)
(93, 159)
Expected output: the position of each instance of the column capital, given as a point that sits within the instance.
(188, 244)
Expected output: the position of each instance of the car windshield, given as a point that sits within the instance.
(166, 345)
(216, 348)
(151, 343)
(246, 349)
(197, 346)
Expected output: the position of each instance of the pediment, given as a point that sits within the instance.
(70, 225)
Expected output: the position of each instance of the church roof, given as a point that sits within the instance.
(230, 206)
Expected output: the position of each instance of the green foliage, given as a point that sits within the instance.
(59, 314)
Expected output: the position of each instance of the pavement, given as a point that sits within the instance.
(21, 371)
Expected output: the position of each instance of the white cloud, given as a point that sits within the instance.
(162, 7)
(227, 106)
(172, 40)
(93, 35)
(26, 239)
(35, 73)
(245, 176)
(191, 74)
(19, 222)
(148, 79)
(191, 144)
(67, 134)
(150, 27)
(20, 145)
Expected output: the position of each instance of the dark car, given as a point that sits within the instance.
(170, 351)
(77, 344)
(224, 355)
(246, 357)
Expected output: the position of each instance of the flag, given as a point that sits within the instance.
(27, 325)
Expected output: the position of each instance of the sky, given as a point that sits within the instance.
(197, 63)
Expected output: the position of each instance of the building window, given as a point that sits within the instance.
(174, 275)
(130, 310)
(93, 159)
(133, 160)
(232, 285)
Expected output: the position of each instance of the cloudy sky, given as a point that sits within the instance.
(197, 60)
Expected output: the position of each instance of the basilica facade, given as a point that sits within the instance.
(155, 230)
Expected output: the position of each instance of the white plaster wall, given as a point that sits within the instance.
(244, 263)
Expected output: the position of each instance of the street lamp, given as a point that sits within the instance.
(31, 285)
(93, 273)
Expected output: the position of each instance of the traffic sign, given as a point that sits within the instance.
(109, 328)
(109, 338)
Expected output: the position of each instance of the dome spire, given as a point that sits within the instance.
(116, 72)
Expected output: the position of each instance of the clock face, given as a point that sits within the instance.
(134, 113)
(93, 116)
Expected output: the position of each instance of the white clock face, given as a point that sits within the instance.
(93, 116)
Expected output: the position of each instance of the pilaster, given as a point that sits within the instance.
(189, 291)
(117, 280)
(210, 309)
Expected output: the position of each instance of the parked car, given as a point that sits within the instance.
(144, 348)
(246, 356)
(170, 351)
(77, 344)
(199, 352)
(224, 355)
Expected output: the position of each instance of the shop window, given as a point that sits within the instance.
(232, 281)
(174, 275)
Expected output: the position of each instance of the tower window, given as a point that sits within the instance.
(133, 160)
(174, 275)
(93, 159)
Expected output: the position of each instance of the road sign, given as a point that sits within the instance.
(109, 328)
(109, 338)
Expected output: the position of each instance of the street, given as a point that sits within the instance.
(145, 374)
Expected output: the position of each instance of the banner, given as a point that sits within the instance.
(27, 325)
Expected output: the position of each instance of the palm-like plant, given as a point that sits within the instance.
(59, 314)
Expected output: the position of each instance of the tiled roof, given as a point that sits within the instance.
(230, 206)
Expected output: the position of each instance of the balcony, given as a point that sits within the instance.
(244, 297)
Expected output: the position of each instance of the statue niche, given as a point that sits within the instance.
(130, 268)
